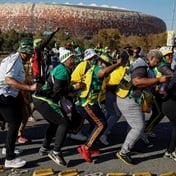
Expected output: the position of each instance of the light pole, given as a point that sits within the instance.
(32, 19)
(173, 15)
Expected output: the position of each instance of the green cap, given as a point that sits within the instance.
(26, 47)
(106, 58)
(37, 42)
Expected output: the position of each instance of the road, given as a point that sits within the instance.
(151, 160)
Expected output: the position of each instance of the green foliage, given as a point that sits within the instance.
(1, 41)
(10, 38)
(146, 42)
(89, 43)
(37, 35)
(108, 37)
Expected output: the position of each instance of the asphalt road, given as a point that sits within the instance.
(151, 160)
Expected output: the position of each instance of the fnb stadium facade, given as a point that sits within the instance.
(77, 20)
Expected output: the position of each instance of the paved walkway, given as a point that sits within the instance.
(151, 160)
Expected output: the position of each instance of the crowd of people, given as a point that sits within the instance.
(98, 85)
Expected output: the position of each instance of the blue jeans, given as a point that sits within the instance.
(112, 113)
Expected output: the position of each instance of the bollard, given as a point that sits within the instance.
(43, 172)
(69, 172)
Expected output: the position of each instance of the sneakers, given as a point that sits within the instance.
(15, 163)
(94, 151)
(125, 158)
(85, 153)
(22, 140)
(31, 119)
(103, 140)
(17, 151)
(43, 151)
(170, 155)
(57, 158)
(78, 136)
(151, 135)
(145, 139)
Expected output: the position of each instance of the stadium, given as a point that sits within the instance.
(77, 20)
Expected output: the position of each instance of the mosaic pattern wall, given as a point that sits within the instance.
(76, 20)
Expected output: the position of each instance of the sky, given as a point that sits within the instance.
(164, 9)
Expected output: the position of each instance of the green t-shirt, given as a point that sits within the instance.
(61, 72)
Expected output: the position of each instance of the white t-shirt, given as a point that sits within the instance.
(11, 66)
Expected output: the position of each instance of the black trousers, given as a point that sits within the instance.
(157, 114)
(11, 112)
(169, 109)
(97, 122)
(58, 126)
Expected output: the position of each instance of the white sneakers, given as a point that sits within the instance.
(170, 155)
(17, 151)
(15, 163)
(78, 136)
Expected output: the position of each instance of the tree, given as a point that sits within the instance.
(11, 38)
(145, 42)
(108, 37)
(157, 39)
(61, 37)
(1, 40)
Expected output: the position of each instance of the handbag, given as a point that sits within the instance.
(66, 105)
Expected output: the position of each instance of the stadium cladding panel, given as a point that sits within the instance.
(77, 20)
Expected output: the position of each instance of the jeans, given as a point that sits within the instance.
(112, 113)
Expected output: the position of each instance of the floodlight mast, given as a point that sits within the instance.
(173, 15)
